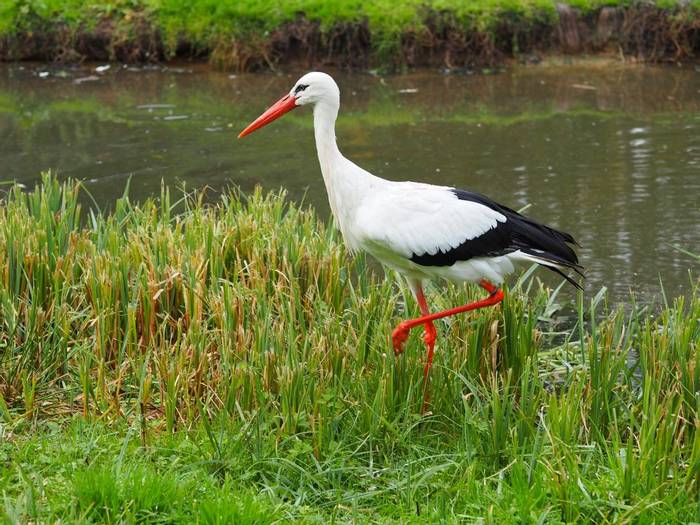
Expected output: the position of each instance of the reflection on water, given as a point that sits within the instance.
(611, 155)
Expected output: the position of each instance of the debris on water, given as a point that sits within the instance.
(102, 69)
(91, 78)
(408, 90)
(213, 129)
(520, 168)
(43, 74)
(584, 86)
(176, 117)
(232, 76)
(532, 59)
(155, 106)
(637, 131)
(457, 71)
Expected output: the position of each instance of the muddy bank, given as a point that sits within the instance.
(641, 32)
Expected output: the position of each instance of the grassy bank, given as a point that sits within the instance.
(175, 362)
(358, 33)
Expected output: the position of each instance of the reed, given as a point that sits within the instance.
(237, 346)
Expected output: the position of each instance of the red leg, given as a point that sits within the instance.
(400, 334)
(429, 338)
(430, 332)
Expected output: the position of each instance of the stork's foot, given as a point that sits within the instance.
(399, 336)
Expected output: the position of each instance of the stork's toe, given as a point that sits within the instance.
(399, 336)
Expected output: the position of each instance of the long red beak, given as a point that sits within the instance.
(279, 108)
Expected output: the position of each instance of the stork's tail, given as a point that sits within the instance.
(556, 265)
(547, 247)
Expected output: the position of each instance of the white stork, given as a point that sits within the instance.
(421, 230)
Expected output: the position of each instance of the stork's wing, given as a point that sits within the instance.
(424, 221)
(438, 226)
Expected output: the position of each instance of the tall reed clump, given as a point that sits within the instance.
(173, 314)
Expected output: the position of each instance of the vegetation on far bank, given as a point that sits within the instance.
(251, 34)
(180, 362)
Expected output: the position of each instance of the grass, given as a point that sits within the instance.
(179, 362)
(204, 20)
(249, 33)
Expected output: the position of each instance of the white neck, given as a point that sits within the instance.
(346, 183)
(324, 130)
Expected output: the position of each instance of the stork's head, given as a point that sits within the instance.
(312, 88)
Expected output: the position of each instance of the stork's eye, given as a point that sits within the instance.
(300, 87)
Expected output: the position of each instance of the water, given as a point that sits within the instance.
(610, 154)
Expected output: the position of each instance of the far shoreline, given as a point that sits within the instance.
(453, 41)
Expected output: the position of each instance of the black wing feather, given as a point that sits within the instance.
(516, 233)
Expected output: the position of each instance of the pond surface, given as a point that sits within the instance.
(610, 154)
